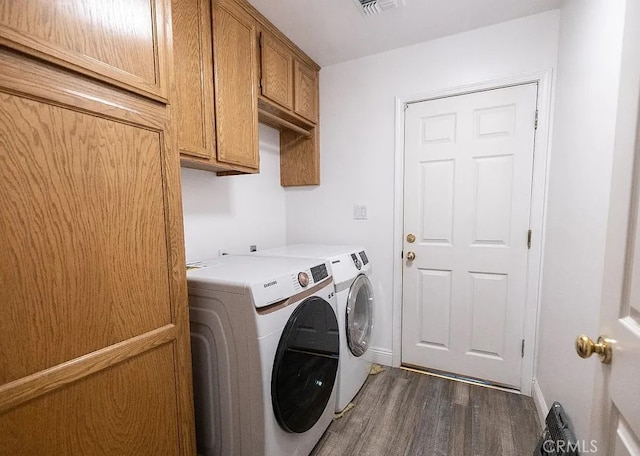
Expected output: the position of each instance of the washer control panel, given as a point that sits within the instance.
(308, 277)
(319, 272)
(303, 279)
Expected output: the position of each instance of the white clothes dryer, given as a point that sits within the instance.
(265, 345)
(351, 269)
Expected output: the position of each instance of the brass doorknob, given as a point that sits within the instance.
(585, 348)
(411, 256)
(411, 238)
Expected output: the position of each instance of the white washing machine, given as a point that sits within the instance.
(351, 269)
(265, 345)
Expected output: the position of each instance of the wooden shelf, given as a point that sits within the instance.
(278, 122)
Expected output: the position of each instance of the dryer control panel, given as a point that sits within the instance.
(346, 267)
(365, 259)
(356, 261)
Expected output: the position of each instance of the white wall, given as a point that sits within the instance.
(578, 200)
(357, 134)
(231, 213)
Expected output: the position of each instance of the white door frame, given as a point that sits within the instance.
(538, 209)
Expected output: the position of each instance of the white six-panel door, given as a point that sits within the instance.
(616, 411)
(468, 175)
(621, 323)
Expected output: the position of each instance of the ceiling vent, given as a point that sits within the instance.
(372, 7)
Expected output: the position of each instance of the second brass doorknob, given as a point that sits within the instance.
(411, 256)
(585, 347)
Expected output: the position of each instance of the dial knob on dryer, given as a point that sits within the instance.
(303, 279)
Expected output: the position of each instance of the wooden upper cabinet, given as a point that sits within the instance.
(306, 91)
(299, 158)
(286, 82)
(194, 97)
(122, 42)
(277, 70)
(193, 74)
(225, 83)
(235, 74)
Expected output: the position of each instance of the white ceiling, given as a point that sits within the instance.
(333, 31)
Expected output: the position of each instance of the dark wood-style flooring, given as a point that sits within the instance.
(403, 413)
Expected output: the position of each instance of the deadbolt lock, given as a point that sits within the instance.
(411, 238)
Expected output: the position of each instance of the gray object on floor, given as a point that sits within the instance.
(405, 413)
(557, 438)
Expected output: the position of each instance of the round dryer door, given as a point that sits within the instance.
(359, 318)
(305, 367)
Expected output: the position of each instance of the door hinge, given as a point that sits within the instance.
(522, 349)
(529, 239)
(260, 83)
(535, 123)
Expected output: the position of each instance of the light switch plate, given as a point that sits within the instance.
(360, 212)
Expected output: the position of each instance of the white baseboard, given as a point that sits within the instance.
(541, 404)
(381, 356)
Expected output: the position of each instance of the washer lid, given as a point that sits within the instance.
(359, 317)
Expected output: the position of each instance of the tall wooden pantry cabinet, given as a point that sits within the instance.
(94, 336)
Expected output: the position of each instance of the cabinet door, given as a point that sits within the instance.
(235, 67)
(193, 60)
(94, 334)
(277, 70)
(299, 158)
(118, 41)
(306, 92)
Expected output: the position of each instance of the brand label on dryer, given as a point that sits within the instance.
(270, 284)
